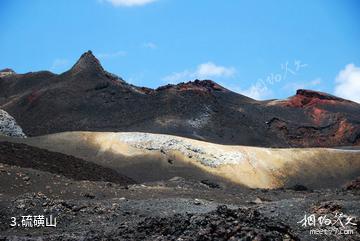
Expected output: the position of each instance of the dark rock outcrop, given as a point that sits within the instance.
(88, 98)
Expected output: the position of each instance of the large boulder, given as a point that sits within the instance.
(8, 126)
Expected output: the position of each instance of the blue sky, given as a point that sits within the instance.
(265, 49)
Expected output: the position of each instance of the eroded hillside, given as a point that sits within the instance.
(88, 98)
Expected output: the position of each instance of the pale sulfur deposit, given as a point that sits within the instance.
(8, 126)
(145, 156)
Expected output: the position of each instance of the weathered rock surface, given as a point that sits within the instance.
(87, 98)
(8, 126)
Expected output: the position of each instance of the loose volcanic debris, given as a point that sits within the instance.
(327, 207)
(31, 157)
(353, 185)
(221, 224)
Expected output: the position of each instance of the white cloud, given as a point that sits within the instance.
(347, 84)
(111, 55)
(302, 85)
(210, 69)
(149, 45)
(59, 65)
(203, 71)
(129, 3)
(315, 82)
(175, 78)
(257, 91)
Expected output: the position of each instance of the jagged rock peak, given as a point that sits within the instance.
(207, 85)
(87, 62)
(317, 95)
(310, 98)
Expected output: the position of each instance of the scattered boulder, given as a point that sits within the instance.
(210, 184)
(197, 202)
(89, 195)
(299, 187)
(260, 200)
(353, 185)
(177, 179)
(26, 178)
(327, 207)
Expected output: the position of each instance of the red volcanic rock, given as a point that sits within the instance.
(316, 94)
(318, 114)
(309, 98)
(327, 120)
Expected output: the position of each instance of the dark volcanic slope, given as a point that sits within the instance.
(88, 98)
(25, 156)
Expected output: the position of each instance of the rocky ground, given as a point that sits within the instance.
(95, 206)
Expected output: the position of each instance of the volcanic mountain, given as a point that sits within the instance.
(88, 98)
